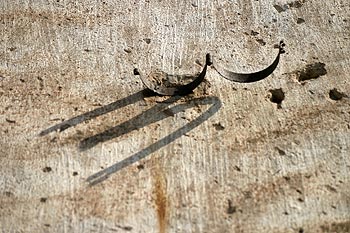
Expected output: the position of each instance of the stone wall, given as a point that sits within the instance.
(83, 148)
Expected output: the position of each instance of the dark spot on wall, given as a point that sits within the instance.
(331, 189)
(277, 96)
(231, 209)
(254, 33)
(284, 7)
(300, 20)
(75, 173)
(10, 121)
(8, 194)
(301, 230)
(334, 94)
(297, 4)
(237, 168)
(127, 50)
(147, 40)
(341, 227)
(125, 228)
(41, 82)
(219, 126)
(280, 151)
(279, 8)
(140, 166)
(47, 169)
(261, 42)
(43, 199)
(312, 71)
(136, 71)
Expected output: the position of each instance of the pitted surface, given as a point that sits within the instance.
(269, 156)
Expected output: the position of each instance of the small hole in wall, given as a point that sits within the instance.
(277, 96)
(140, 166)
(47, 169)
(300, 20)
(231, 209)
(280, 151)
(136, 71)
(334, 94)
(312, 71)
(147, 40)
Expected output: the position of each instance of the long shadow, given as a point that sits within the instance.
(111, 133)
(96, 112)
(157, 113)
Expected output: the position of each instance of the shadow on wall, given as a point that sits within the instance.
(95, 113)
(157, 113)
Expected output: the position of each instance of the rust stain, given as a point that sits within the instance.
(59, 18)
(161, 200)
(337, 227)
(310, 119)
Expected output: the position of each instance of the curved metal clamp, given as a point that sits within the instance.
(160, 78)
(251, 77)
(162, 85)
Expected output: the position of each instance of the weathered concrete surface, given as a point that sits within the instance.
(225, 159)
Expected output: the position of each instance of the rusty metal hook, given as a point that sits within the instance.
(159, 77)
(251, 77)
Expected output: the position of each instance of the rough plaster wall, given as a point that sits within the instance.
(224, 159)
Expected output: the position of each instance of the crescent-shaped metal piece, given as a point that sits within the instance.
(176, 90)
(251, 77)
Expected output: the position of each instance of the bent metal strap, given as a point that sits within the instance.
(157, 87)
(251, 77)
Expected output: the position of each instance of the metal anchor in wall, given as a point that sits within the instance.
(158, 81)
